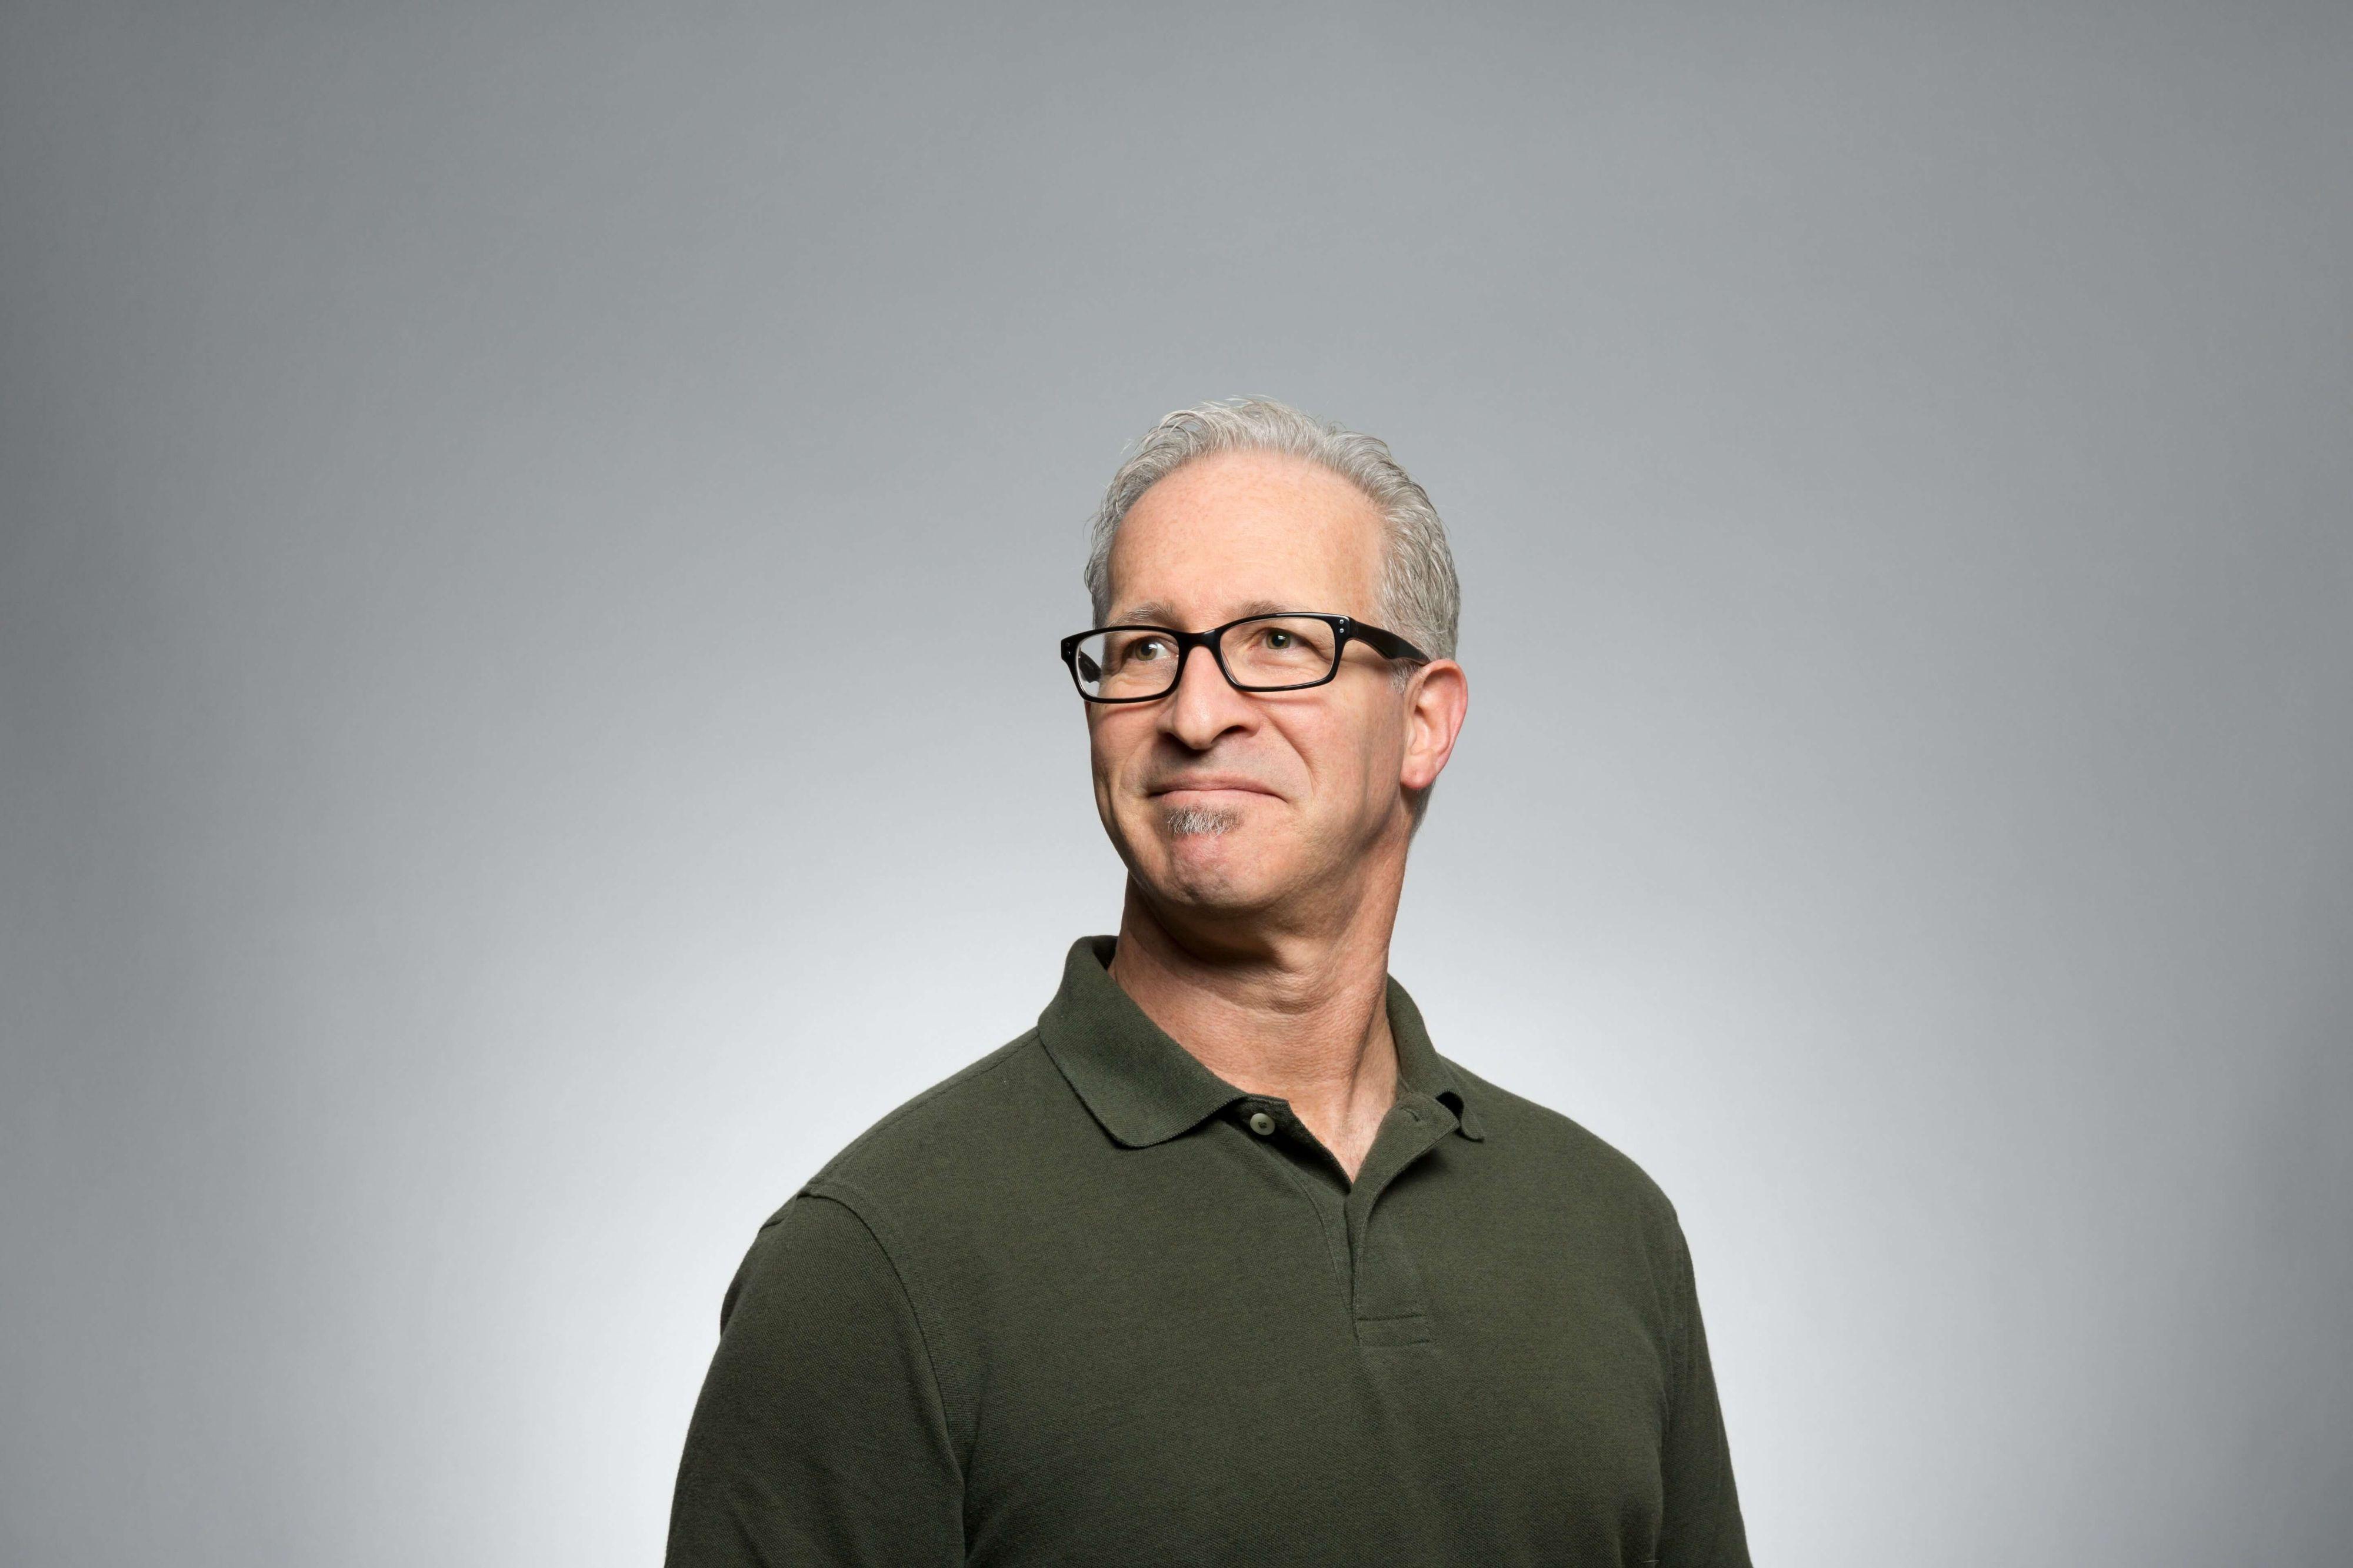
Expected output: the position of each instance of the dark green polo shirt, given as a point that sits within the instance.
(1086, 1302)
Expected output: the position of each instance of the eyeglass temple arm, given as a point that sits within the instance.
(1386, 643)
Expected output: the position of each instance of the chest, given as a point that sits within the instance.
(1257, 1372)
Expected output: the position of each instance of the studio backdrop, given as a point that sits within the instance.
(472, 478)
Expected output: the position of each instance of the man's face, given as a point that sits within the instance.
(1231, 802)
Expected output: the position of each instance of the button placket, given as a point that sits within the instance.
(1326, 1198)
(1389, 1303)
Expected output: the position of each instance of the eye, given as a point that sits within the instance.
(1143, 647)
(1277, 637)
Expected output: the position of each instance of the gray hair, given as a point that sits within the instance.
(1419, 597)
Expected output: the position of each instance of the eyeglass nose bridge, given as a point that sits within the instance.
(1214, 641)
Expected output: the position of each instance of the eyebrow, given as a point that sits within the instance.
(1158, 614)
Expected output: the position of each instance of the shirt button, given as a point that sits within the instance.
(1261, 1123)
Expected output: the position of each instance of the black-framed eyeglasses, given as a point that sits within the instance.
(1284, 651)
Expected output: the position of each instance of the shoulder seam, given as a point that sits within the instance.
(869, 1219)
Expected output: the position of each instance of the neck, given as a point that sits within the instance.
(1296, 1014)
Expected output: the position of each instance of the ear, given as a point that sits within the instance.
(1435, 705)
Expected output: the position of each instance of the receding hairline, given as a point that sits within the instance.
(1378, 523)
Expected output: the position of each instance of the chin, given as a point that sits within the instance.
(1215, 871)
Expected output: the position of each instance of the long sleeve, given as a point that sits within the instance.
(819, 1436)
(1700, 1526)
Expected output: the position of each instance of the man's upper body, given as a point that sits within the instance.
(1223, 1261)
(1071, 1306)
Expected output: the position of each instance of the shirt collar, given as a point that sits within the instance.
(1146, 1089)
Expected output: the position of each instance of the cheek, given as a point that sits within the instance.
(1338, 758)
(1111, 749)
(1361, 762)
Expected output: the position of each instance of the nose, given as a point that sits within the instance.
(1204, 705)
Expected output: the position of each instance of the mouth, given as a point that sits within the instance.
(1186, 792)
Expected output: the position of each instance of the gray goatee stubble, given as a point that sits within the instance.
(1180, 820)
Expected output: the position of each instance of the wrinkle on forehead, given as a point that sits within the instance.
(1162, 615)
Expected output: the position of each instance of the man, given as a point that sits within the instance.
(1222, 1262)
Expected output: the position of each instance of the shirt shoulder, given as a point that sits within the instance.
(1558, 1159)
(957, 1143)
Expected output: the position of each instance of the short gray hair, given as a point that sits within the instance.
(1419, 597)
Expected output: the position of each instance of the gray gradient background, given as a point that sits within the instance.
(461, 464)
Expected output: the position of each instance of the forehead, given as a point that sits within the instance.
(1237, 532)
